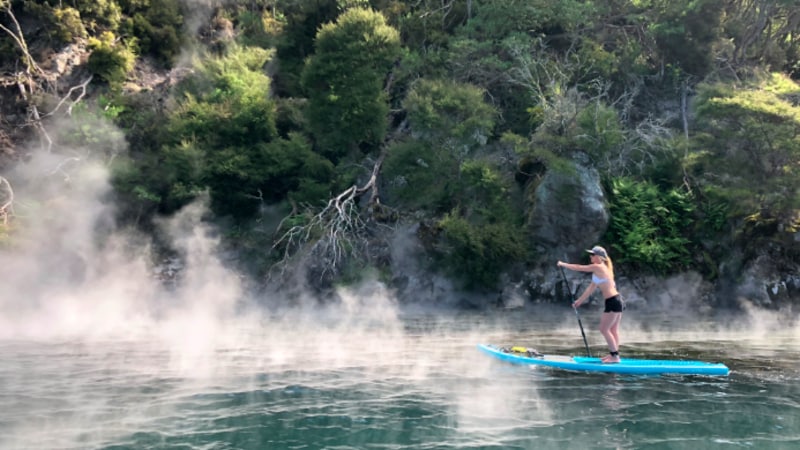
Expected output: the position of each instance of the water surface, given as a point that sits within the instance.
(397, 380)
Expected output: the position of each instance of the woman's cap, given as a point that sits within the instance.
(599, 251)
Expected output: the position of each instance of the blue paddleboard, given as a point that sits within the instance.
(521, 355)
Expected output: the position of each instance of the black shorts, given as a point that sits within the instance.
(614, 304)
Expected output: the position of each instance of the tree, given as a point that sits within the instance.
(749, 149)
(220, 135)
(296, 41)
(347, 107)
(685, 32)
(766, 32)
(157, 26)
(449, 121)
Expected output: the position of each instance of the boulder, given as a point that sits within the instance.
(567, 212)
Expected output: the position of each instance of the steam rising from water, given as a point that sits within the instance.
(130, 355)
(70, 274)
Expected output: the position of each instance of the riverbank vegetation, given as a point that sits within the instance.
(448, 113)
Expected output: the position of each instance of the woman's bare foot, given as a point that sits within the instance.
(612, 357)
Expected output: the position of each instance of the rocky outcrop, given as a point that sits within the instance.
(763, 284)
(567, 212)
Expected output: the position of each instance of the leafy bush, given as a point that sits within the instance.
(60, 23)
(88, 128)
(421, 176)
(485, 195)
(449, 121)
(260, 28)
(228, 101)
(477, 255)
(68, 24)
(749, 150)
(157, 26)
(599, 130)
(97, 16)
(228, 117)
(347, 106)
(441, 110)
(649, 226)
(481, 234)
(111, 59)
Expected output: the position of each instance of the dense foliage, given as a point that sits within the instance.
(688, 109)
(659, 240)
(347, 108)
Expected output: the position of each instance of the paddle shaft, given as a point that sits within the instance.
(572, 297)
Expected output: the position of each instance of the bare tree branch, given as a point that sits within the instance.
(7, 199)
(338, 230)
(34, 80)
(19, 38)
(64, 163)
(72, 103)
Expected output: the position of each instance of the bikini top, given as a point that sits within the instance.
(598, 280)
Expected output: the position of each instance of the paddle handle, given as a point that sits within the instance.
(572, 298)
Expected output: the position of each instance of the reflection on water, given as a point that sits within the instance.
(396, 381)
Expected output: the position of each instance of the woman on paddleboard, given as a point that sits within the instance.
(602, 270)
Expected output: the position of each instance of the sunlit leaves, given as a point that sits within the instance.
(227, 114)
(442, 109)
(344, 78)
(650, 225)
(751, 143)
(110, 59)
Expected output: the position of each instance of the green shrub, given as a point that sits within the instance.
(480, 236)
(442, 110)
(227, 117)
(68, 24)
(110, 59)
(485, 195)
(599, 130)
(158, 28)
(748, 149)
(649, 226)
(347, 106)
(89, 128)
(477, 255)
(97, 15)
(421, 176)
(260, 28)
(449, 121)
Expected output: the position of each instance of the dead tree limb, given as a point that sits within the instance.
(7, 199)
(34, 80)
(338, 230)
(68, 96)
(19, 38)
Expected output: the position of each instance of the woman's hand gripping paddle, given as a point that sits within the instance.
(572, 297)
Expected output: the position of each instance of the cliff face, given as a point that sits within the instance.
(565, 211)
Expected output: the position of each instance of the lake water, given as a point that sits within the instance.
(372, 376)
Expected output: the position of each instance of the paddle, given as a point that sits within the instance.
(572, 297)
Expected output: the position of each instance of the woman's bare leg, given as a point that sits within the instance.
(609, 328)
(615, 329)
